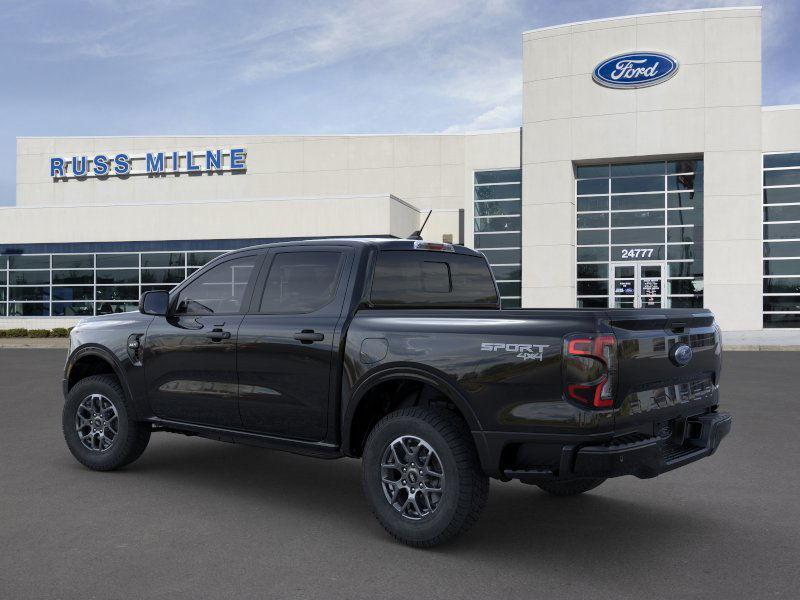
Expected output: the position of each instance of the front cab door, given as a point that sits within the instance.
(288, 342)
(190, 355)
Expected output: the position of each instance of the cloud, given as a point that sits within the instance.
(336, 34)
(498, 117)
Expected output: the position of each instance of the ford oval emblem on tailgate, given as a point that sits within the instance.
(681, 354)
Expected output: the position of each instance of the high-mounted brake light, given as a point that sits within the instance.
(590, 370)
(420, 245)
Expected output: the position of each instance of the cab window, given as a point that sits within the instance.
(431, 279)
(220, 290)
(301, 282)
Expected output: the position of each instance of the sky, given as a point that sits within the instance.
(161, 67)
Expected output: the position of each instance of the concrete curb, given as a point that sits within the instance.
(43, 343)
(759, 348)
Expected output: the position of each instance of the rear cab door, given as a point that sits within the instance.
(288, 341)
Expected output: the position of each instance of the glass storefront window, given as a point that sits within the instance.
(164, 259)
(73, 261)
(784, 177)
(117, 292)
(592, 203)
(636, 184)
(107, 308)
(592, 171)
(781, 247)
(498, 192)
(593, 220)
(499, 176)
(83, 276)
(787, 195)
(73, 292)
(162, 275)
(33, 261)
(496, 227)
(629, 169)
(638, 218)
(117, 276)
(29, 277)
(784, 249)
(111, 261)
(500, 207)
(645, 213)
(72, 309)
(151, 288)
(28, 309)
(198, 259)
(782, 231)
(497, 223)
(80, 284)
(503, 257)
(593, 186)
(593, 236)
(593, 271)
(782, 285)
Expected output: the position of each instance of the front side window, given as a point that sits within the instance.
(301, 282)
(220, 290)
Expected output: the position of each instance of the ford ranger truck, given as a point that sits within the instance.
(397, 352)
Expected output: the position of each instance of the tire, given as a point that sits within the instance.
(105, 454)
(569, 488)
(464, 487)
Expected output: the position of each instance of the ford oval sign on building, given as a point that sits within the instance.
(635, 70)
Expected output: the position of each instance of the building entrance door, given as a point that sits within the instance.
(637, 284)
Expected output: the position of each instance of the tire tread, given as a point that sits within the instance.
(134, 443)
(473, 495)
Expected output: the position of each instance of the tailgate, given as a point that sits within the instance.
(660, 382)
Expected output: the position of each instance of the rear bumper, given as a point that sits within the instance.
(653, 456)
(643, 457)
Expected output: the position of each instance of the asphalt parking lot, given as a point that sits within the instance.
(201, 519)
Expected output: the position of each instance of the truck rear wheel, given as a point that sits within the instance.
(569, 488)
(98, 427)
(422, 477)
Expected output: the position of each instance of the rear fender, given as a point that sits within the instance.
(402, 371)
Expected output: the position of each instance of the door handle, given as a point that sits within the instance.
(217, 335)
(307, 336)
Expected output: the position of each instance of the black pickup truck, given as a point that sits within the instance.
(396, 351)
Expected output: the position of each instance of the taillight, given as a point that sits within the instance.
(590, 369)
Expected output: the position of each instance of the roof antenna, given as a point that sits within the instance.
(417, 235)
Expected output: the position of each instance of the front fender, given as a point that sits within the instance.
(122, 372)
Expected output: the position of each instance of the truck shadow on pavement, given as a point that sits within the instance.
(593, 527)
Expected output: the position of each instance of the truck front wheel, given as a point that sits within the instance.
(422, 477)
(98, 427)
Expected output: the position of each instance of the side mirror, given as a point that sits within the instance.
(155, 302)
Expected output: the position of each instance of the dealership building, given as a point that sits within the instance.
(645, 173)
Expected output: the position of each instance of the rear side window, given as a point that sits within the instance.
(417, 277)
(301, 282)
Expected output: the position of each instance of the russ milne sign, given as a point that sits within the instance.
(635, 70)
(151, 163)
